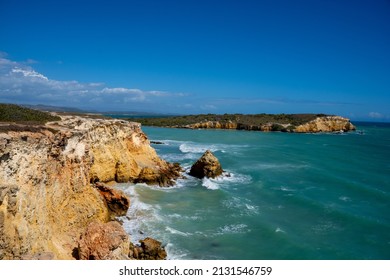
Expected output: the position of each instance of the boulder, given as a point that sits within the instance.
(106, 241)
(162, 177)
(117, 202)
(150, 249)
(207, 166)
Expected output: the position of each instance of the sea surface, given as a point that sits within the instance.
(283, 196)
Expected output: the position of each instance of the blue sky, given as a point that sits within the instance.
(241, 56)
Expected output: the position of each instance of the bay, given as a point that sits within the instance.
(283, 196)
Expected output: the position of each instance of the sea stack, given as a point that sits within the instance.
(206, 166)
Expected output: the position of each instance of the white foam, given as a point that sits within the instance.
(200, 148)
(196, 148)
(286, 189)
(345, 198)
(242, 207)
(209, 184)
(233, 229)
(178, 232)
(175, 254)
(279, 230)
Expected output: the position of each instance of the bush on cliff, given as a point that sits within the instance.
(19, 114)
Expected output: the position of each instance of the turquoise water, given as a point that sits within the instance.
(283, 196)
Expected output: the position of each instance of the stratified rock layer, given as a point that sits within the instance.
(46, 197)
(206, 166)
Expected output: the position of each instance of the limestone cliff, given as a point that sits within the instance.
(46, 197)
(319, 124)
(326, 124)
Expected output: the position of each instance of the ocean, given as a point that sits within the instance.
(283, 196)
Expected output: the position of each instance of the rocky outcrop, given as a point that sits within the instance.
(117, 202)
(162, 177)
(214, 125)
(150, 249)
(319, 124)
(326, 124)
(206, 166)
(104, 242)
(47, 198)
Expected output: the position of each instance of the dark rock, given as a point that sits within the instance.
(118, 203)
(150, 249)
(207, 166)
(157, 142)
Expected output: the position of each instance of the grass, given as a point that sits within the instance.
(21, 115)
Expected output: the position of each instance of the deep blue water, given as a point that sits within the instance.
(287, 196)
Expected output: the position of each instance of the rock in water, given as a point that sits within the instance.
(150, 249)
(207, 166)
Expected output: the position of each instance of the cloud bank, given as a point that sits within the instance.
(20, 83)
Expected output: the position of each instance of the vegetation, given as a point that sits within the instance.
(257, 120)
(21, 115)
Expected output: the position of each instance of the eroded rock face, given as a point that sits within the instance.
(207, 166)
(104, 242)
(117, 202)
(165, 177)
(326, 124)
(46, 196)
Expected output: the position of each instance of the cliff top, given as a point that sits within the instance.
(21, 115)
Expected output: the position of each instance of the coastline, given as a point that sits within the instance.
(48, 195)
(292, 123)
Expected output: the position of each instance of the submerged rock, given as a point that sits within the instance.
(207, 166)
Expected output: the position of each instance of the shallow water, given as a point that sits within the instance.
(286, 196)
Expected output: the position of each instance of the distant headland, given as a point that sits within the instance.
(299, 123)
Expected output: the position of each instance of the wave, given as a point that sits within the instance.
(178, 232)
(198, 148)
(233, 229)
(241, 206)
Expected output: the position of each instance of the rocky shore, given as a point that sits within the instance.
(296, 123)
(320, 124)
(53, 203)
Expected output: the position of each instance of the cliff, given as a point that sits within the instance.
(260, 122)
(47, 195)
(320, 124)
(326, 124)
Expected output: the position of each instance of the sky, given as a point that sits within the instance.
(204, 56)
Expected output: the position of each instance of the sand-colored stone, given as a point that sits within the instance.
(104, 242)
(326, 124)
(46, 196)
(206, 166)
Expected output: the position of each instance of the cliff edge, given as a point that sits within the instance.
(47, 176)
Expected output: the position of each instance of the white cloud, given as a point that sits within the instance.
(35, 76)
(375, 115)
(20, 83)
